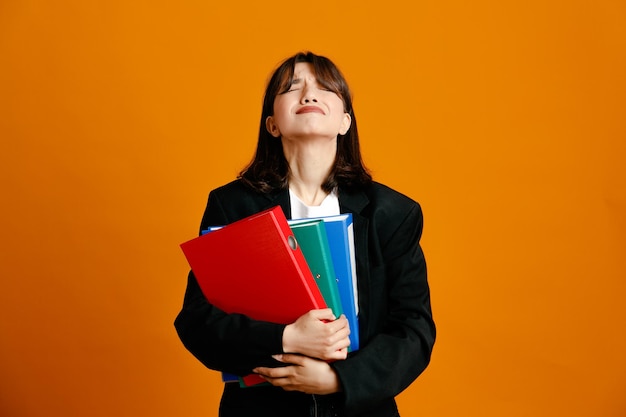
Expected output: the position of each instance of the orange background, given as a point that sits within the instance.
(506, 120)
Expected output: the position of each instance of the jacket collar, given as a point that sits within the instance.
(349, 202)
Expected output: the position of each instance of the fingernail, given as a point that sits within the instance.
(279, 358)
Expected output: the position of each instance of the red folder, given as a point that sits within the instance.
(254, 267)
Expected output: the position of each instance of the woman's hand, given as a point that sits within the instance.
(319, 335)
(304, 374)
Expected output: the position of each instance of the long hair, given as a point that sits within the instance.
(269, 171)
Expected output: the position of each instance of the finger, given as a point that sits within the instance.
(293, 359)
(339, 335)
(339, 354)
(323, 314)
(341, 324)
(273, 373)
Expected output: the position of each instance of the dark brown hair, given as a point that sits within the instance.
(268, 171)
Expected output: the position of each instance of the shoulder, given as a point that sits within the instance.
(377, 200)
(234, 188)
(391, 213)
(224, 202)
(234, 201)
(386, 201)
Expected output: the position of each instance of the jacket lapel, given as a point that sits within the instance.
(279, 198)
(282, 199)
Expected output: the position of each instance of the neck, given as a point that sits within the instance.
(309, 166)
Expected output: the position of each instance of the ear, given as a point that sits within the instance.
(345, 124)
(271, 127)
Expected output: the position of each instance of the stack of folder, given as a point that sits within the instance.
(276, 270)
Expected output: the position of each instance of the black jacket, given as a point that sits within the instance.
(396, 328)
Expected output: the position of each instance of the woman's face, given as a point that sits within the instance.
(307, 109)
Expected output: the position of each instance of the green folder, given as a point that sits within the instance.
(312, 239)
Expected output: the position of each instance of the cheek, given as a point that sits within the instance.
(338, 104)
(280, 109)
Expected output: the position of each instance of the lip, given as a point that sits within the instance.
(310, 109)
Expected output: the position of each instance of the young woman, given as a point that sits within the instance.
(308, 161)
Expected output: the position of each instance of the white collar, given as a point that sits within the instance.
(328, 207)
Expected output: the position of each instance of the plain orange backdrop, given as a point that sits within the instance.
(505, 120)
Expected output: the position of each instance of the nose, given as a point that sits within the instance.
(308, 95)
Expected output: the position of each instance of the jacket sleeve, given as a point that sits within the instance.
(231, 343)
(402, 331)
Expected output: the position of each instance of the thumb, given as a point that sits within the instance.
(290, 358)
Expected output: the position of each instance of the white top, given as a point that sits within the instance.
(329, 207)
